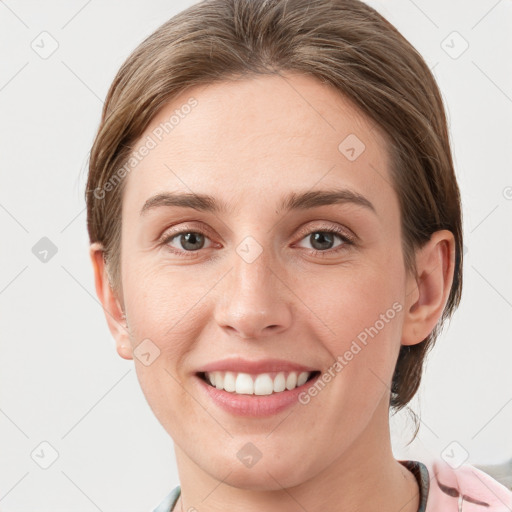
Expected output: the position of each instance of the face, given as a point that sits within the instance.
(292, 266)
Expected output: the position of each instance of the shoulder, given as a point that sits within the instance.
(465, 489)
(169, 501)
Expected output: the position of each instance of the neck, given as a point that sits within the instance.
(364, 477)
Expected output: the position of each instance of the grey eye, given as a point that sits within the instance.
(189, 240)
(322, 240)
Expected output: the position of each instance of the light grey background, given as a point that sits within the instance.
(61, 381)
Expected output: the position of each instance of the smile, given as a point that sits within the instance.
(256, 384)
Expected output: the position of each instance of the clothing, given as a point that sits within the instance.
(465, 489)
(442, 489)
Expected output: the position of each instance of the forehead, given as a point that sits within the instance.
(256, 137)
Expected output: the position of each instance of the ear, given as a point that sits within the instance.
(428, 292)
(111, 306)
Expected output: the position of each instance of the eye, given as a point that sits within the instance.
(185, 241)
(322, 240)
(188, 243)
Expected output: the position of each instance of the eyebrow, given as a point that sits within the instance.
(294, 201)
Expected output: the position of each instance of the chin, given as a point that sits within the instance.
(267, 474)
(261, 480)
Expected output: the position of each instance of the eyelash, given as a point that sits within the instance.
(193, 254)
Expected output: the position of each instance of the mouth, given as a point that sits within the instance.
(260, 384)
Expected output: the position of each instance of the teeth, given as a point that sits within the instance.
(229, 381)
(279, 382)
(244, 384)
(291, 380)
(302, 378)
(261, 384)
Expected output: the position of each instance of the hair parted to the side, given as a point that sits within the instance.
(344, 43)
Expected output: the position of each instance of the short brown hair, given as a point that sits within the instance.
(345, 43)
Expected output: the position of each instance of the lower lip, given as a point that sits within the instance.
(254, 405)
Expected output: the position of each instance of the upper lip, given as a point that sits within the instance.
(239, 365)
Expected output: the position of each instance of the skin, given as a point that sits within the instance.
(249, 143)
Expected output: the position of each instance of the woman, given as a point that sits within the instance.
(276, 236)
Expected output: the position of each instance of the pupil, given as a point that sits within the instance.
(320, 237)
(191, 238)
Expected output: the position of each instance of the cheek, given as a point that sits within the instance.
(364, 315)
(162, 300)
(167, 308)
(363, 311)
(353, 298)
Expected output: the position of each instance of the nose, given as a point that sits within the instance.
(255, 298)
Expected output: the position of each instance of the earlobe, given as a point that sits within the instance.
(112, 308)
(428, 292)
